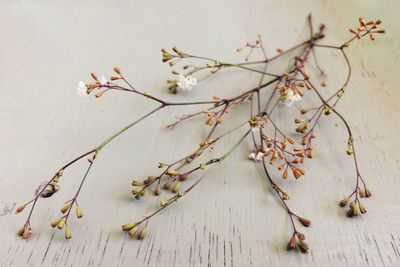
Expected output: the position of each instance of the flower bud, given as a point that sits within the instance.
(67, 233)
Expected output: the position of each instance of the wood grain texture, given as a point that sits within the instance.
(232, 218)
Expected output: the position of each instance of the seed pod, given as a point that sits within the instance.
(301, 236)
(163, 203)
(129, 226)
(94, 76)
(350, 213)
(21, 231)
(61, 224)
(367, 192)
(136, 183)
(142, 233)
(285, 174)
(20, 208)
(171, 172)
(344, 202)
(292, 243)
(362, 209)
(117, 70)
(175, 189)
(55, 222)
(297, 172)
(132, 231)
(157, 191)
(65, 208)
(27, 232)
(303, 247)
(67, 233)
(167, 185)
(79, 213)
(305, 221)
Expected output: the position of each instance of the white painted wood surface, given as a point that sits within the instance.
(232, 218)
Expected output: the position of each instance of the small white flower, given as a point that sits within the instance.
(256, 157)
(186, 83)
(291, 98)
(252, 156)
(81, 90)
(259, 156)
(103, 81)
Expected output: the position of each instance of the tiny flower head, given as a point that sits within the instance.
(259, 156)
(291, 97)
(186, 83)
(81, 90)
(252, 156)
(103, 81)
(26, 231)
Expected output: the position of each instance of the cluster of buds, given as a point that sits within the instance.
(26, 231)
(207, 144)
(290, 93)
(355, 207)
(251, 46)
(61, 222)
(133, 230)
(298, 241)
(367, 28)
(167, 56)
(84, 89)
(257, 123)
(173, 185)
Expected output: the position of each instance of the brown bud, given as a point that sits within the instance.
(367, 192)
(157, 190)
(61, 224)
(94, 76)
(303, 247)
(117, 70)
(55, 222)
(285, 174)
(362, 209)
(142, 233)
(353, 31)
(305, 221)
(167, 185)
(132, 231)
(65, 208)
(67, 233)
(344, 202)
(297, 172)
(175, 189)
(79, 213)
(136, 183)
(292, 243)
(129, 226)
(20, 208)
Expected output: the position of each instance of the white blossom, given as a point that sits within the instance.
(186, 83)
(256, 157)
(259, 156)
(252, 156)
(81, 90)
(103, 81)
(291, 98)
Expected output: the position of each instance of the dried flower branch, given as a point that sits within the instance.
(271, 147)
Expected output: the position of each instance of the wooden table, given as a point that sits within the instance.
(232, 218)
